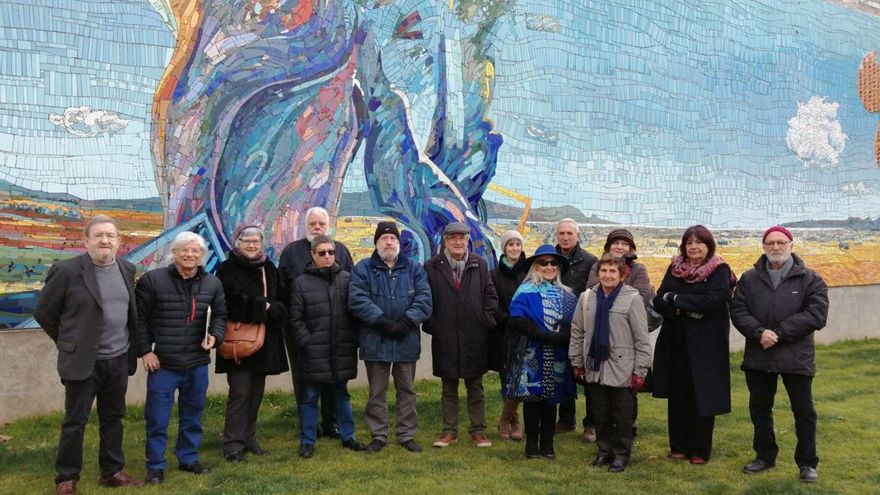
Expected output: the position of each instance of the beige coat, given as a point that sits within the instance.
(630, 346)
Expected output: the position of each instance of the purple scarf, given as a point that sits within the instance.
(600, 343)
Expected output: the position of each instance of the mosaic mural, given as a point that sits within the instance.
(657, 114)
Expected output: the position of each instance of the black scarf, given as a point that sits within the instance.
(600, 344)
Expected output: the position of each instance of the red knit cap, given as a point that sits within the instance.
(777, 228)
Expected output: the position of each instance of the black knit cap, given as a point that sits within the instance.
(622, 235)
(386, 228)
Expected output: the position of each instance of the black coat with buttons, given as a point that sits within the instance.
(463, 316)
(696, 327)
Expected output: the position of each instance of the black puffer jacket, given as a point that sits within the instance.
(323, 333)
(172, 314)
(580, 263)
(506, 280)
(243, 287)
(794, 310)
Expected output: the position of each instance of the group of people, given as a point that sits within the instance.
(547, 323)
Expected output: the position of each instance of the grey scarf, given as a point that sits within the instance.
(457, 266)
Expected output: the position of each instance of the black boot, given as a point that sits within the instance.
(547, 445)
(548, 430)
(532, 450)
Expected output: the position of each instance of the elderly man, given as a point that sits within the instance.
(391, 297)
(465, 304)
(568, 237)
(88, 308)
(292, 263)
(777, 306)
(174, 339)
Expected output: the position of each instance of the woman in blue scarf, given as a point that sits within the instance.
(539, 372)
(611, 352)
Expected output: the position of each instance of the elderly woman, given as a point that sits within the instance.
(506, 278)
(539, 373)
(254, 294)
(691, 360)
(620, 244)
(175, 338)
(611, 352)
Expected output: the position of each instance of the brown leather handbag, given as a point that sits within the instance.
(242, 340)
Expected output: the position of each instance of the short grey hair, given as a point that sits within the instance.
(185, 238)
(577, 227)
(97, 219)
(249, 231)
(317, 210)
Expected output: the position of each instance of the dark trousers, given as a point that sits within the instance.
(614, 410)
(242, 405)
(568, 411)
(689, 433)
(539, 423)
(762, 391)
(476, 404)
(328, 405)
(108, 383)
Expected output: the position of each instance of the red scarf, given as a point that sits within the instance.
(681, 268)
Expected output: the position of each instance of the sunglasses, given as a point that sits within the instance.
(551, 262)
(326, 252)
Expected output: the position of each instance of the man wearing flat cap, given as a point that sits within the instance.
(777, 306)
(465, 304)
(390, 296)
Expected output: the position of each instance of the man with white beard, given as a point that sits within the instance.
(291, 264)
(390, 296)
(777, 306)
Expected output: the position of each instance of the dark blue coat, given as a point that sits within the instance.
(377, 291)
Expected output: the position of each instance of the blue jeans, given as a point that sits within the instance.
(308, 411)
(192, 385)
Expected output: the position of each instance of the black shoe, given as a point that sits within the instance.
(757, 466)
(601, 460)
(532, 450)
(352, 444)
(809, 474)
(330, 431)
(155, 476)
(236, 457)
(546, 446)
(306, 450)
(257, 450)
(375, 445)
(195, 468)
(411, 446)
(618, 465)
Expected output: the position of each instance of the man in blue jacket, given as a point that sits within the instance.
(777, 306)
(390, 296)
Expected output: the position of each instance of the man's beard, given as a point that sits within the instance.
(389, 254)
(779, 259)
(311, 237)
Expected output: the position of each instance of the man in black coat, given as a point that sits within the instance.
(580, 262)
(777, 306)
(88, 308)
(326, 340)
(292, 263)
(465, 304)
(175, 336)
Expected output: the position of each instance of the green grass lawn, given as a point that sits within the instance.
(844, 391)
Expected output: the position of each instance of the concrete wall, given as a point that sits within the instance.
(29, 383)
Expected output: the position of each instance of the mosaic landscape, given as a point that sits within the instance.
(178, 115)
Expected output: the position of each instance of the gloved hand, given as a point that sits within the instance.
(669, 297)
(637, 383)
(387, 327)
(580, 375)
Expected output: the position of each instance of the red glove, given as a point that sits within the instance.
(637, 383)
(580, 375)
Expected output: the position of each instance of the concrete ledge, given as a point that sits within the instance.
(29, 383)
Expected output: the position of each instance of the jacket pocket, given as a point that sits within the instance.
(65, 346)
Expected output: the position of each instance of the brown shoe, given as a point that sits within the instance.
(516, 432)
(589, 434)
(120, 479)
(504, 431)
(564, 427)
(480, 440)
(445, 440)
(66, 488)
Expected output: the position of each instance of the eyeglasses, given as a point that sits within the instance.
(551, 262)
(326, 252)
(777, 243)
(250, 243)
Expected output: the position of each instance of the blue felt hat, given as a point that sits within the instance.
(547, 250)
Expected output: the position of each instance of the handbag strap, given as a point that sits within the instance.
(265, 289)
